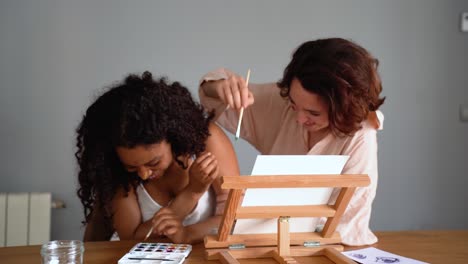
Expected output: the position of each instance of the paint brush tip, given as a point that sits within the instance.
(149, 233)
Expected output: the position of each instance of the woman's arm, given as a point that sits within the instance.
(197, 232)
(220, 146)
(165, 223)
(96, 228)
(219, 153)
(126, 216)
(202, 172)
(258, 127)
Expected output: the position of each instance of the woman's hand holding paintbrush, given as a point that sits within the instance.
(232, 90)
(168, 224)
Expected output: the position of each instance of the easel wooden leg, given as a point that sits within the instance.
(283, 259)
(340, 205)
(283, 255)
(284, 239)
(226, 258)
(233, 202)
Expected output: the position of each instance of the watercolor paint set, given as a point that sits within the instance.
(163, 253)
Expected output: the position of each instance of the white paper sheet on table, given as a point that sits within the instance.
(288, 165)
(374, 255)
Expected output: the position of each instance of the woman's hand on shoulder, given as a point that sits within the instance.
(203, 172)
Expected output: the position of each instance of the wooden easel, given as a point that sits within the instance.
(284, 245)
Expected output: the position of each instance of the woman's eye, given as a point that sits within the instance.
(312, 113)
(154, 164)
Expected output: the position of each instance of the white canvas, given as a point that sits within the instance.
(288, 165)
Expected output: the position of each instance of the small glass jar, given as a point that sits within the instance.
(62, 251)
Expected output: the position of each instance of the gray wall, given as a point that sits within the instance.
(55, 56)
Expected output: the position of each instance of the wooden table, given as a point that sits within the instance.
(447, 247)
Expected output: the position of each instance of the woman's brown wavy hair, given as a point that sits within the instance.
(343, 74)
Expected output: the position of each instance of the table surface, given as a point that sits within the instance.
(428, 246)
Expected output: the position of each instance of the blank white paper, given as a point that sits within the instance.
(288, 165)
(373, 255)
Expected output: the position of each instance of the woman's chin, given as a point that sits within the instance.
(154, 177)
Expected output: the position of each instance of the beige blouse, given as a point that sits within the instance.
(270, 126)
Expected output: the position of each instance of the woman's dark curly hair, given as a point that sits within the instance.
(138, 111)
(343, 74)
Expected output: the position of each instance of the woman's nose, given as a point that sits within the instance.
(144, 173)
(301, 118)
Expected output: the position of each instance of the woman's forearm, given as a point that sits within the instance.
(197, 232)
(184, 203)
(142, 230)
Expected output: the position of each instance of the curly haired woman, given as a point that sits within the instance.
(326, 104)
(149, 156)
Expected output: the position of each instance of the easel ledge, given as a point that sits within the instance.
(228, 248)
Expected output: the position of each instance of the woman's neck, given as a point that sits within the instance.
(314, 137)
(175, 177)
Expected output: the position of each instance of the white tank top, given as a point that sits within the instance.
(203, 210)
(148, 207)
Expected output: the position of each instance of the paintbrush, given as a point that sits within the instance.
(242, 109)
(149, 233)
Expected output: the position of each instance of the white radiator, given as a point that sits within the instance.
(24, 218)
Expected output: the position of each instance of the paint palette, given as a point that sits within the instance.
(164, 253)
